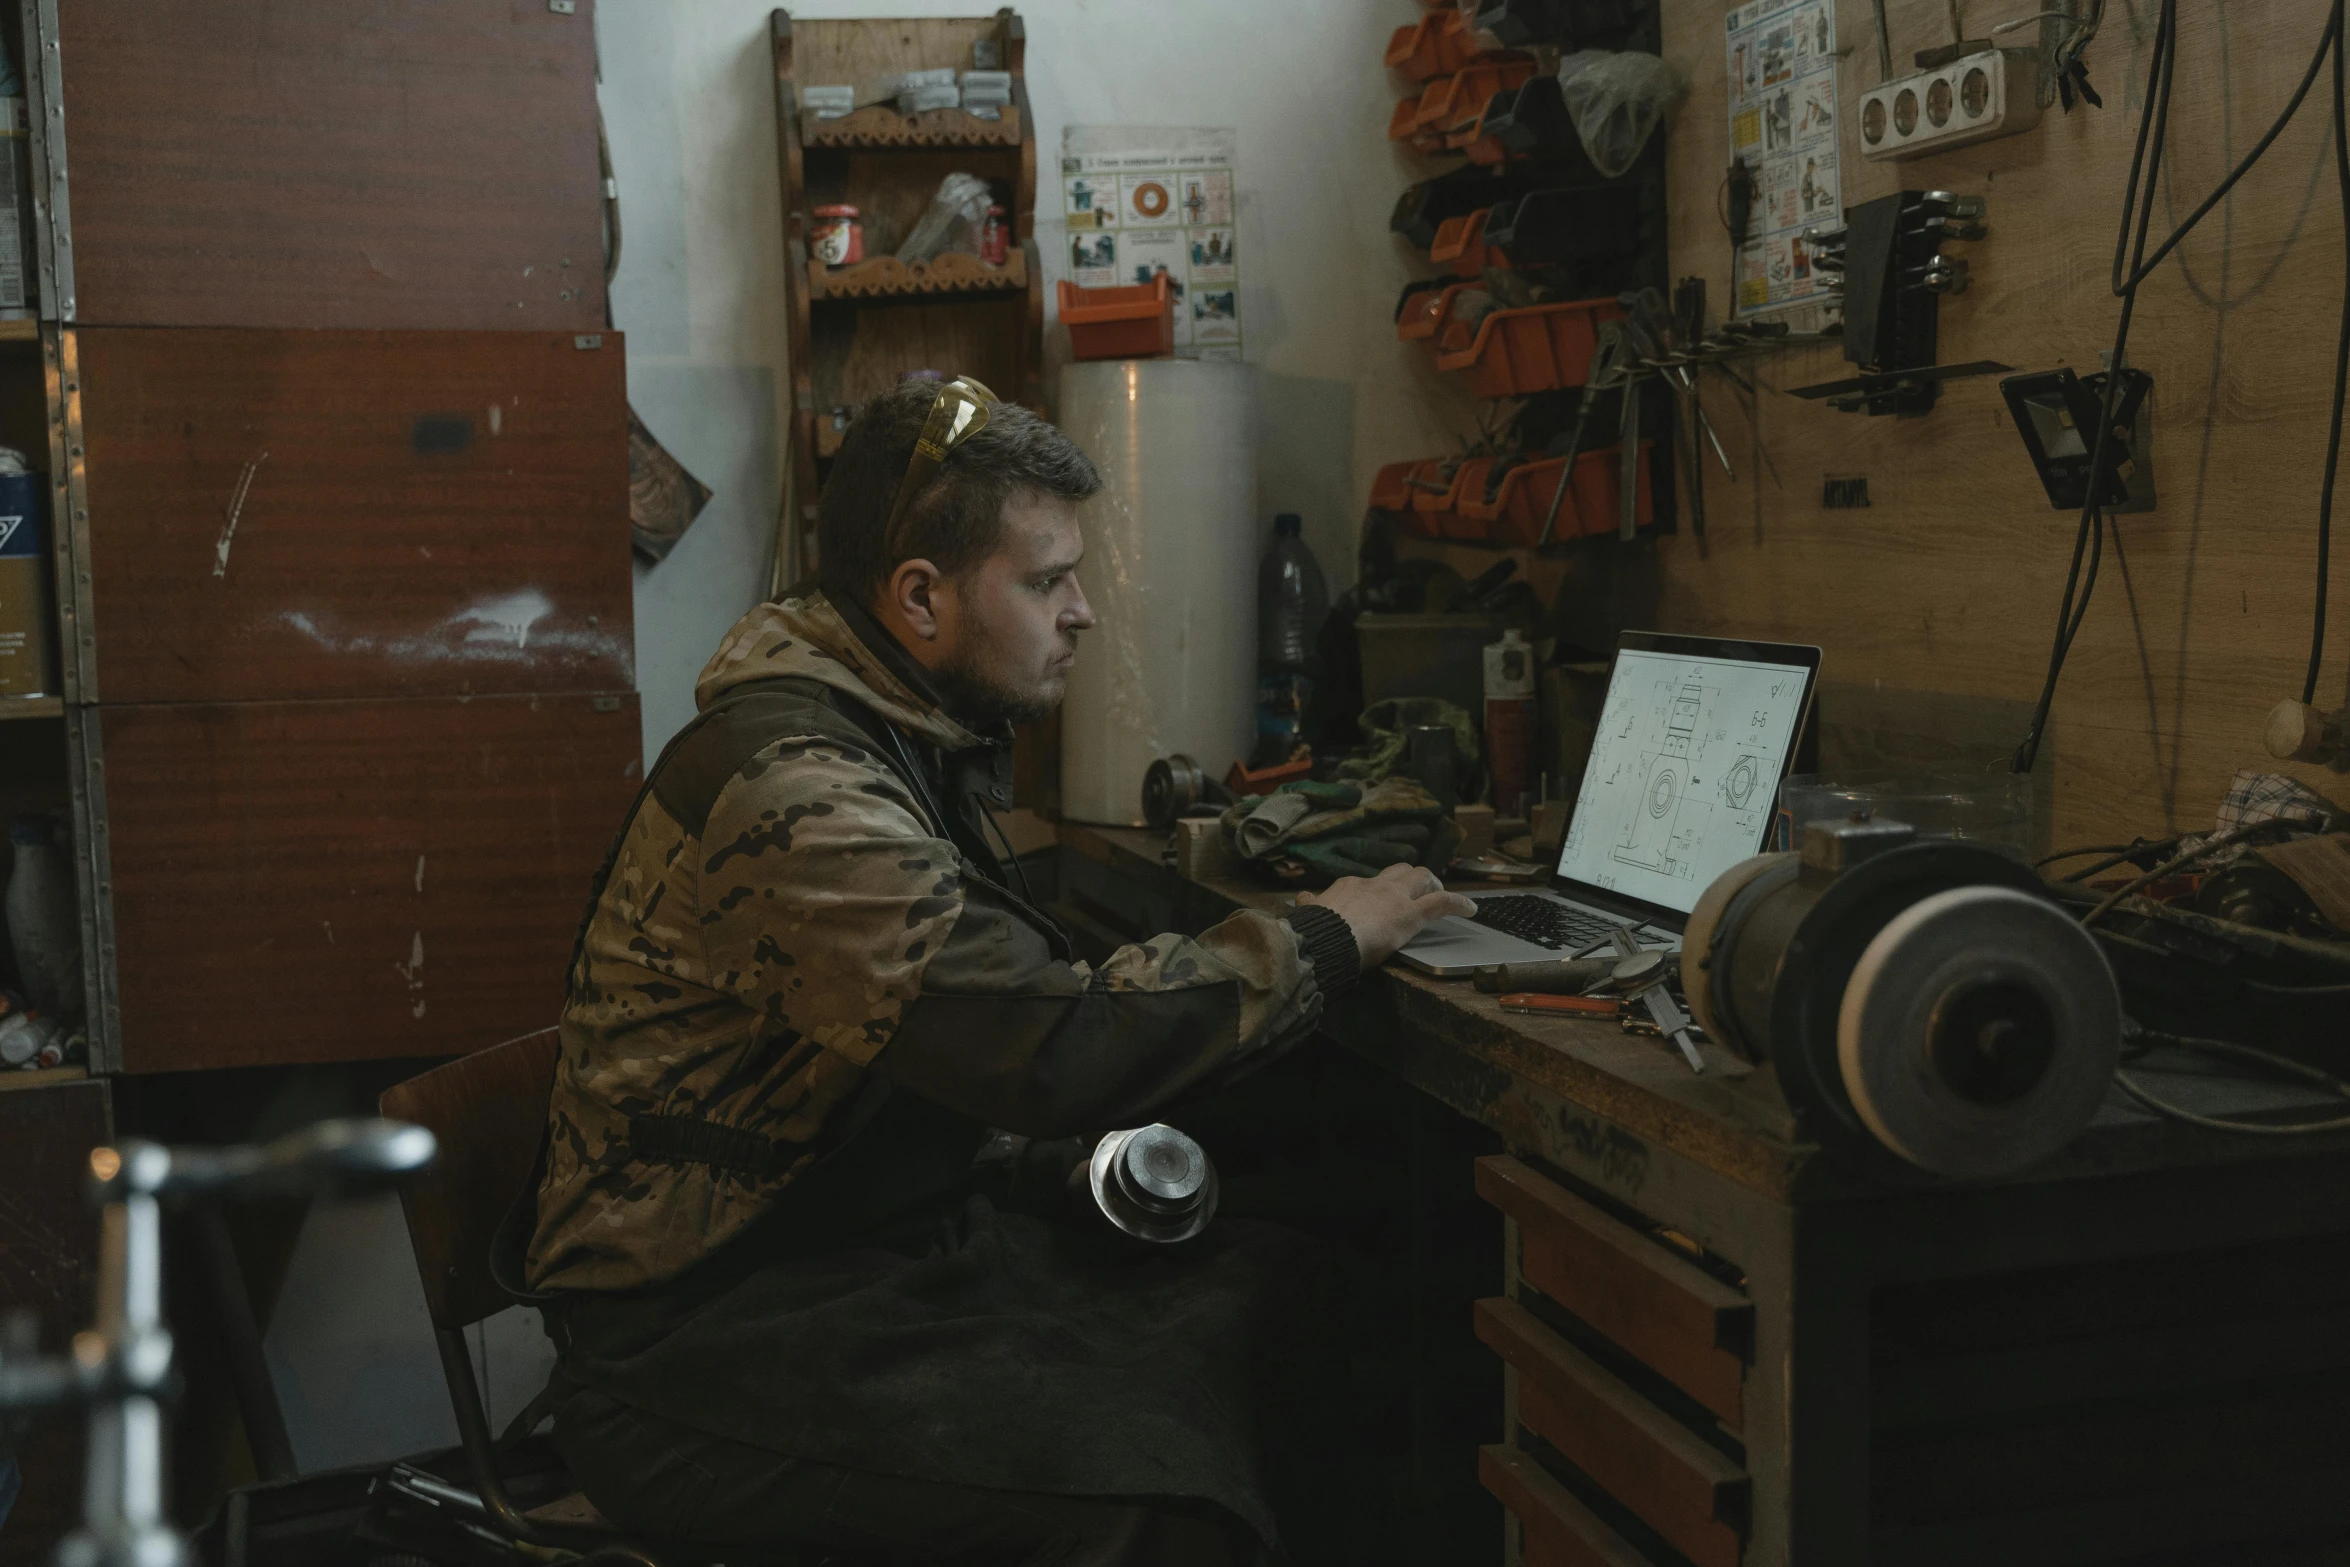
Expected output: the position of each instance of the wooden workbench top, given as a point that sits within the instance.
(1732, 1119)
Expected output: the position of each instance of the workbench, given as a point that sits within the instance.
(1729, 1347)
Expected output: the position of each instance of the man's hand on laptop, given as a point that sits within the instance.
(1389, 909)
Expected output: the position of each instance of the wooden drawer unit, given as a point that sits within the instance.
(1670, 1315)
(1687, 1490)
(1557, 1530)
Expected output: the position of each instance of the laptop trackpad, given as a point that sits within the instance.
(1452, 933)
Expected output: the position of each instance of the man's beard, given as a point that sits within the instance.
(967, 693)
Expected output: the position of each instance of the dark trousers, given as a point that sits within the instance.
(658, 1480)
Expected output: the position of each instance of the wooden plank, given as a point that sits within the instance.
(1559, 1530)
(854, 53)
(323, 881)
(49, 1266)
(1675, 1483)
(332, 514)
(1673, 1317)
(1949, 581)
(416, 163)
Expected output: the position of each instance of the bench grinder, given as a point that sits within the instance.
(1925, 997)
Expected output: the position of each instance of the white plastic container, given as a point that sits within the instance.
(1170, 569)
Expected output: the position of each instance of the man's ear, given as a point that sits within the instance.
(910, 596)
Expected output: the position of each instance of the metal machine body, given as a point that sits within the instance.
(1920, 999)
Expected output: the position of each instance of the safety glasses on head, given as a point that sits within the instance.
(957, 413)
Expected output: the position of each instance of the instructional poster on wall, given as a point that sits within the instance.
(1783, 126)
(1142, 202)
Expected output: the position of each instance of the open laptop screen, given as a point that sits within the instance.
(1685, 770)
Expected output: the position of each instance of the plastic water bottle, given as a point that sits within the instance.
(1292, 599)
(42, 927)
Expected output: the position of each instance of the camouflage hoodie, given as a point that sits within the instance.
(782, 940)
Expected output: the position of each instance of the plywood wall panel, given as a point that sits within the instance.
(1950, 580)
(413, 163)
(320, 881)
(329, 514)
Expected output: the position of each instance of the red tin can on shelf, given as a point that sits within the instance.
(839, 239)
(995, 238)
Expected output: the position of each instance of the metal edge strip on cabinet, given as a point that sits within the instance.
(1559, 1530)
(1672, 1316)
(52, 209)
(93, 873)
(69, 511)
(1687, 1491)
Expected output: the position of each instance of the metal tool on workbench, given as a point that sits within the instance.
(1644, 976)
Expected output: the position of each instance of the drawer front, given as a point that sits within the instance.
(1672, 1316)
(1557, 1530)
(1680, 1486)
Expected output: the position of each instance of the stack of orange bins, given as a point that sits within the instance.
(1532, 348)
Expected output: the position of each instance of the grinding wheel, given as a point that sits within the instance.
(1979, 1031)
(1698, 940)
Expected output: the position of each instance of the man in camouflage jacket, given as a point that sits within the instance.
(804, 997)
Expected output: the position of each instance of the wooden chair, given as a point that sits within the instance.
(488, 1110)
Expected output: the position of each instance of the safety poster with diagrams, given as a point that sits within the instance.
(1684, 773)
(1142, 202)
(1783, 127)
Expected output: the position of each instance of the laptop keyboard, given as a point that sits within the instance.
(1542, 921)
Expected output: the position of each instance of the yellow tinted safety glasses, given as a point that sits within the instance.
(958, 413)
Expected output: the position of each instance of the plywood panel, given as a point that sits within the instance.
(315, 881)
(414, 163)
(49, 1266)
(317, 514)
(1949, 580)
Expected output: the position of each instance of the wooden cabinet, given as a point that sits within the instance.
(337, 439)
(414, 163)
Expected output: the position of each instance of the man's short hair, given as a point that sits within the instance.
(958, 518)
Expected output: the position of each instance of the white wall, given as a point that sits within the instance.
(689, 106)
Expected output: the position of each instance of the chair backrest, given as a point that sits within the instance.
(489, 1110)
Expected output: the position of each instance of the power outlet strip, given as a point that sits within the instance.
(1973, 98)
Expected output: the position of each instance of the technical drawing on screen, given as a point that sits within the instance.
(1683, 775)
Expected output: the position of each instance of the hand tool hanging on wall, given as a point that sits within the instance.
(1890, 272)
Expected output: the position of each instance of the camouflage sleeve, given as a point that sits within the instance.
(1004, 1033)
(823, 895)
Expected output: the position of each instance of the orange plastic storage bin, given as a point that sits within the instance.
(1119, 323)
(1425, 313)
(1460, 245)
(1533, 348)
(1591, 506)
(1391, 488)
(1436, 45)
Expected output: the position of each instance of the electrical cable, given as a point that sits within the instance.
(2325, 498)
(2223, 1047)
(2202, 851)
(2137, 214)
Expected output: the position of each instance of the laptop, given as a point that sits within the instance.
(1695, 737)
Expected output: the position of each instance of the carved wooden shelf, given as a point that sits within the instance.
(881, 128)
(20, 330)
(885, 277)
(31, 707)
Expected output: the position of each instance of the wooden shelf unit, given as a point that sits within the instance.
(856, 330)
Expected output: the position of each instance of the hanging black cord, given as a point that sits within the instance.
(2325, 498)
(2137, 215)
